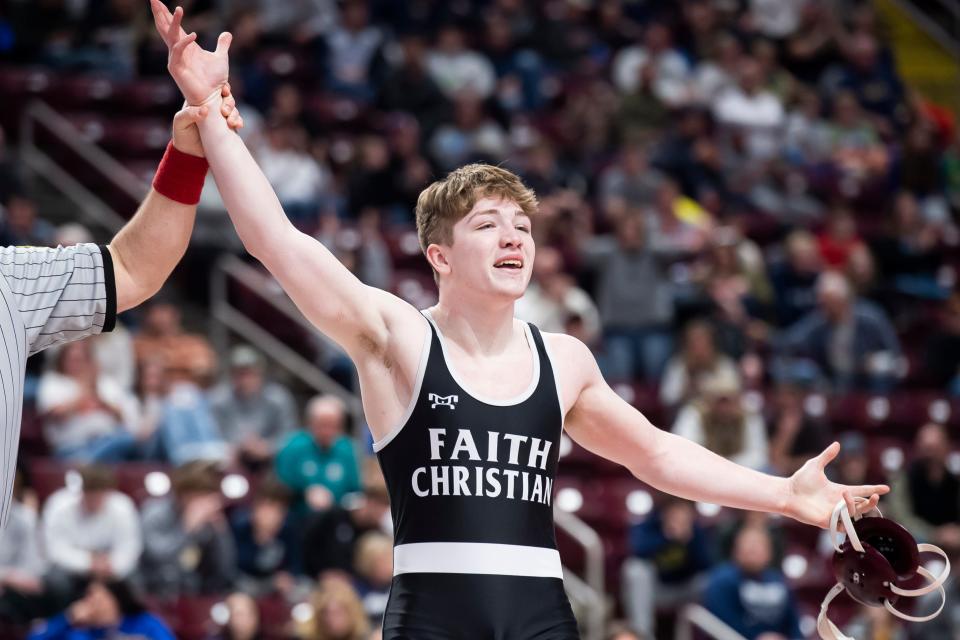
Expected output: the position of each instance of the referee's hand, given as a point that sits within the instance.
(186, 135)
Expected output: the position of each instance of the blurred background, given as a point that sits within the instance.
(748, 210)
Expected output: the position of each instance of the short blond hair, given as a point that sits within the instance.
(445, 202)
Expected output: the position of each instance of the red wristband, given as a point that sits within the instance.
(180, 176)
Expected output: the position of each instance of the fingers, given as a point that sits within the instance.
(234, 121)
(228, 105)
(190, 115)
(828, 454)
(225, 90)
(161, 16)
(173, 30)
(223, 43)
(176, 53)
(851, 504)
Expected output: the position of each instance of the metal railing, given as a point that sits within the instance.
(694, 615)
(226, 318)
(39, 114)
(591, 588)
(941, 22)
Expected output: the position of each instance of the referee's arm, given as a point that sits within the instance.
(150, 245)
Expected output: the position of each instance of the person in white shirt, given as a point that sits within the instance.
(456, 69)
(719, 420)
(750, 109)
(671, 84)
(93, 531)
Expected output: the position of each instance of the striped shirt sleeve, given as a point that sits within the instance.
(63, 294)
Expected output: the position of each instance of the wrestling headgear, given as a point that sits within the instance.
(877, 557)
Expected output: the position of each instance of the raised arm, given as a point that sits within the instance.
(358, 317)
(602, 422)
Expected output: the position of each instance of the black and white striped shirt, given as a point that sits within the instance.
(48, 296)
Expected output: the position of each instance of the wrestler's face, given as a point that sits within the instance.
(492, 251)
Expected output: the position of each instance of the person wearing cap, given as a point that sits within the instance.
(254, 414)
(718, 420)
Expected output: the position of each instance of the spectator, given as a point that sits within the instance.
(93, 531)
(173, 421)
(189, 357)
(714, 75)
(107, 609)
(318, 462)
(877, 622)
(331, 536)
(187, 548)
(794, 281)
(719, 420)
(871, 79)
(299, 180)
(254, 415)
(243, 619)
(670, 555)
(268, 545)
(374, 568)
(839, 239)
(84, 413)
(629, 182)
(846, 341)
(927, 501)
(669, 71)
(301, 19)
(552, 298)
(680, 225)
(22, 226)
(753, 112)
(635, 300)
(456, 69)
(857, 158)
(909, 255)
(354, 51)
(795, 436)
(337, 613)
(749, 594)
(472, 135)
(409, 86)
(696, 366)
(942, 360)
(22, 565)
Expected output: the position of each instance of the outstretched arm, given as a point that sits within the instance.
(356, 316)
(602, 422)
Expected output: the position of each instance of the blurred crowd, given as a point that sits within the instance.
(736, 197)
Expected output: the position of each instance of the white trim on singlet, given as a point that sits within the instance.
(417, 385)
(556, 375)
(477, 558)
(534, 380)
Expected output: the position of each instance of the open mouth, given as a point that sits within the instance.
(510, 263)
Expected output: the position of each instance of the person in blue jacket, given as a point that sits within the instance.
(671, 555)
(106, 610)
(749, 594)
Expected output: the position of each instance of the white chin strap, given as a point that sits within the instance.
(828, 630)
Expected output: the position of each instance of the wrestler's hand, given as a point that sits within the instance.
(186, 135)
(812, 496)
(197, 72)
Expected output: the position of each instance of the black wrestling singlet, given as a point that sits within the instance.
(471, 494)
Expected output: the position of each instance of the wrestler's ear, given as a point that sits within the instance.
(437, 257)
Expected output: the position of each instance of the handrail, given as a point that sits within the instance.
(694, 615)
(594, 571)
(40, 162)
(932, 27)
(594, 604)
(227, 317)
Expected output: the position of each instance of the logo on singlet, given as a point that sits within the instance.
(442, 401)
